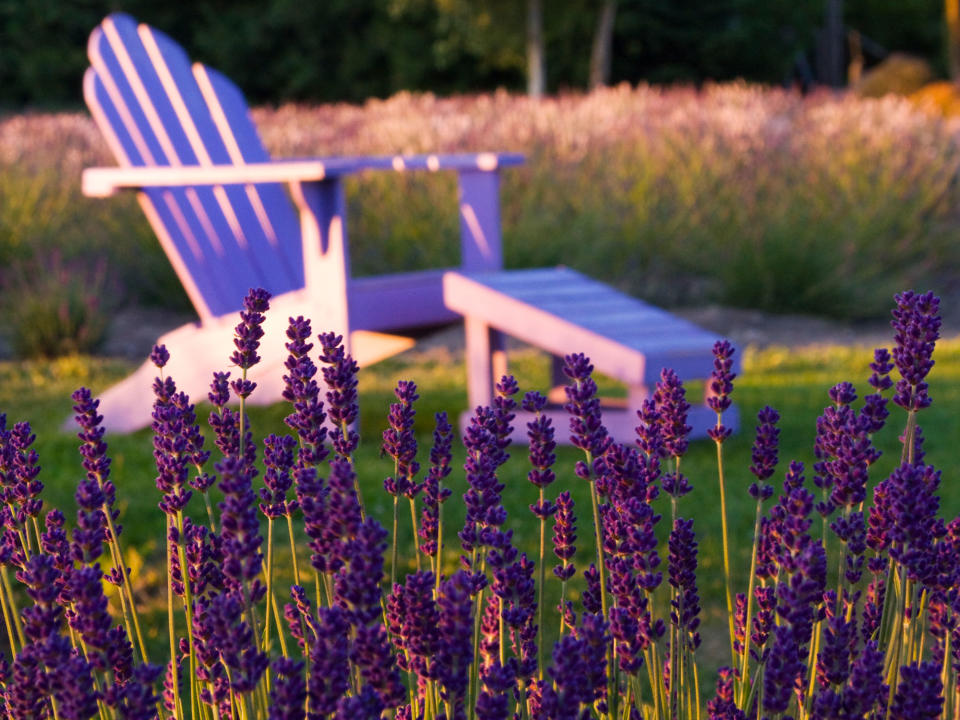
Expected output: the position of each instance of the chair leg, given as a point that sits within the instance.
(486, 358)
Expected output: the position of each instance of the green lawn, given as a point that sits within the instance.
(795, 383)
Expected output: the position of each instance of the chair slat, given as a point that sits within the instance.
(229, 232)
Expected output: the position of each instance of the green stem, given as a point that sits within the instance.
(171, 629)
(13, 606)
(541, 580)
(393, 552)
(4, 604)
(266, 624)
(416, 544)
(293, 550)
(751, 583)
(726, 550)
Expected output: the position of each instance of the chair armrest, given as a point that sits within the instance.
(103, 182)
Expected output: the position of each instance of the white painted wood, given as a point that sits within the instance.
(196, 352)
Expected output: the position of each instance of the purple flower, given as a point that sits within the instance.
(137, 699)
(455, 627)
(722, 706)
(682, 567)
(433, 494)
(865, 689)
(329, 661)
(365, 706)
(766, 600)
(342, 520)
(418, 634)
(400, 443)
(783, 669)
(288, 692)
(764, 454)
(542, 444)
(833, 661)
(720, 386)
(172, 422)
(916, 323)
(278, 462)
(670, 399)
(571, 679)
(586, 426)
(225, 634)
(590, 597)
(21, 477)
(240, 530)
(247, 337)
(89, 616)
(340, 376)
(919, 695)
(485, 511)
(357, 584)
(594, 638)
(497, 684)
(160, 356)
(301, 390)
(910, 506)
(564, 536)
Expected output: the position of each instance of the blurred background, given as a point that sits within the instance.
(791, 157)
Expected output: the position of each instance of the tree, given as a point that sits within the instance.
(536, 56)
(952, 16)
(602, 52)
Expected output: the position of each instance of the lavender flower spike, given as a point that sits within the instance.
(720, 386)
(247, 338)
(916, 323)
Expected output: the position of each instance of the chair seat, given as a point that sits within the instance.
(560, 311)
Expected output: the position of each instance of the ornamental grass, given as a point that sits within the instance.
(850, 610)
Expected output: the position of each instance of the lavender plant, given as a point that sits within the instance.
(854, 615)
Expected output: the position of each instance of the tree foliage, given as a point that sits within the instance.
(279, 50)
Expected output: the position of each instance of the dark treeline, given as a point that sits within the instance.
(327, 50)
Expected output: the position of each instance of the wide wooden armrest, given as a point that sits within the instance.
(102, 182)
(486, 161)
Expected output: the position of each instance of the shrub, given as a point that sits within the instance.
(53, 308)
(876, 636)
(732, 193)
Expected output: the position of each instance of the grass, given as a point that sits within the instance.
(794, 382)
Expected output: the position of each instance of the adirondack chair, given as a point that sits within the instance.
(219, 205)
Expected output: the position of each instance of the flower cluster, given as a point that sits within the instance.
(809, 638)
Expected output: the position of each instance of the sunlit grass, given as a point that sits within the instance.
(795, 382)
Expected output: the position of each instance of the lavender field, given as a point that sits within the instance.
(733, 193)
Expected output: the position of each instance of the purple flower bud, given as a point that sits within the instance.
(720, 386)
(542, 444)
(433, 494)
(400, 443)
(240, 530)
(340, 376)
(916, 323)
(764, 453)
(682, 567)
(564, 536)
(159, 356)
(722, 706)
(247, 337)
(302, 391)
(278, 461)
(586, 425)
(919, 695)
(455, 627)
(288, 693)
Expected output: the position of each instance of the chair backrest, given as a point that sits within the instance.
(156, 109)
